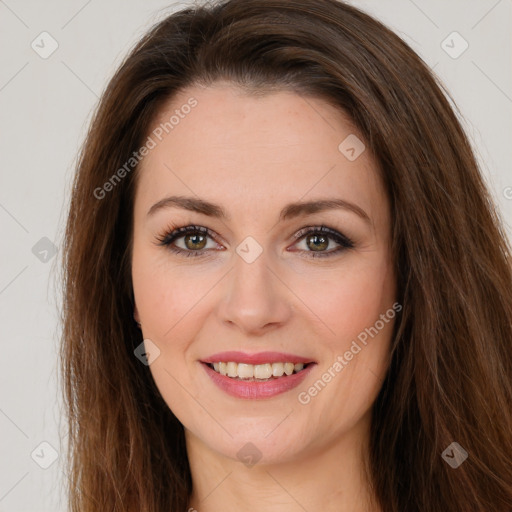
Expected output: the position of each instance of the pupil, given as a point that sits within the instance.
(196, 240)
(319, 238)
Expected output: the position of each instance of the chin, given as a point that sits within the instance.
(261, 441)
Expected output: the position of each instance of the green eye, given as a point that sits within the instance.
(194, 238)
(318, 239)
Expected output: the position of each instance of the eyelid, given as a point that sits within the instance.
(334, 233)
(173, 232)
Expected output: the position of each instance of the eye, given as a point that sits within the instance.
(193, 241)
(317, 239)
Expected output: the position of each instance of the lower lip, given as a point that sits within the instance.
(253, 390)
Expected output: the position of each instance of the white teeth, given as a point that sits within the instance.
(262, 371)
(288, 368)
(245, 371)
(232, 369)
(258, 371)
(277, 369)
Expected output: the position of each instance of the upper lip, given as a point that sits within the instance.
(256, 358)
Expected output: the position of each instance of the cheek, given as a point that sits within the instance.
(357, 340)
(166, 295)
(169, 304)
(350, 300)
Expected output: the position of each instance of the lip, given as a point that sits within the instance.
(254, 390)
(257, 358)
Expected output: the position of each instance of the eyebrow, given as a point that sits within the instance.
(290, 211)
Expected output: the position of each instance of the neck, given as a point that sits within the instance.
(328, 478)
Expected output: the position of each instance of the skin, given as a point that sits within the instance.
(253, 155)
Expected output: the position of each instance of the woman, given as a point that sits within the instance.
(286, 285)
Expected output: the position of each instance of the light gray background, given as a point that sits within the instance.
(46, 105)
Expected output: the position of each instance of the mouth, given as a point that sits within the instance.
(259, 372)
(257, 376)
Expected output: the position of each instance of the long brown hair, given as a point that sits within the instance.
(450, 378)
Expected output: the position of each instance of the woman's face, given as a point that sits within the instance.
(263, 281)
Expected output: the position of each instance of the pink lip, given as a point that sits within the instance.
(258, 358)
(253, 390)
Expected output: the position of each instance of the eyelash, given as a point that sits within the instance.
(172, 234)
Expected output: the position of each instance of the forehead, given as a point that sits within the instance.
(237, 148)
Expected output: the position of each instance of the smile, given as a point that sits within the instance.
(254, 388)
(251, 372)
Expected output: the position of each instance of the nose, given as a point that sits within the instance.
(255, 299)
